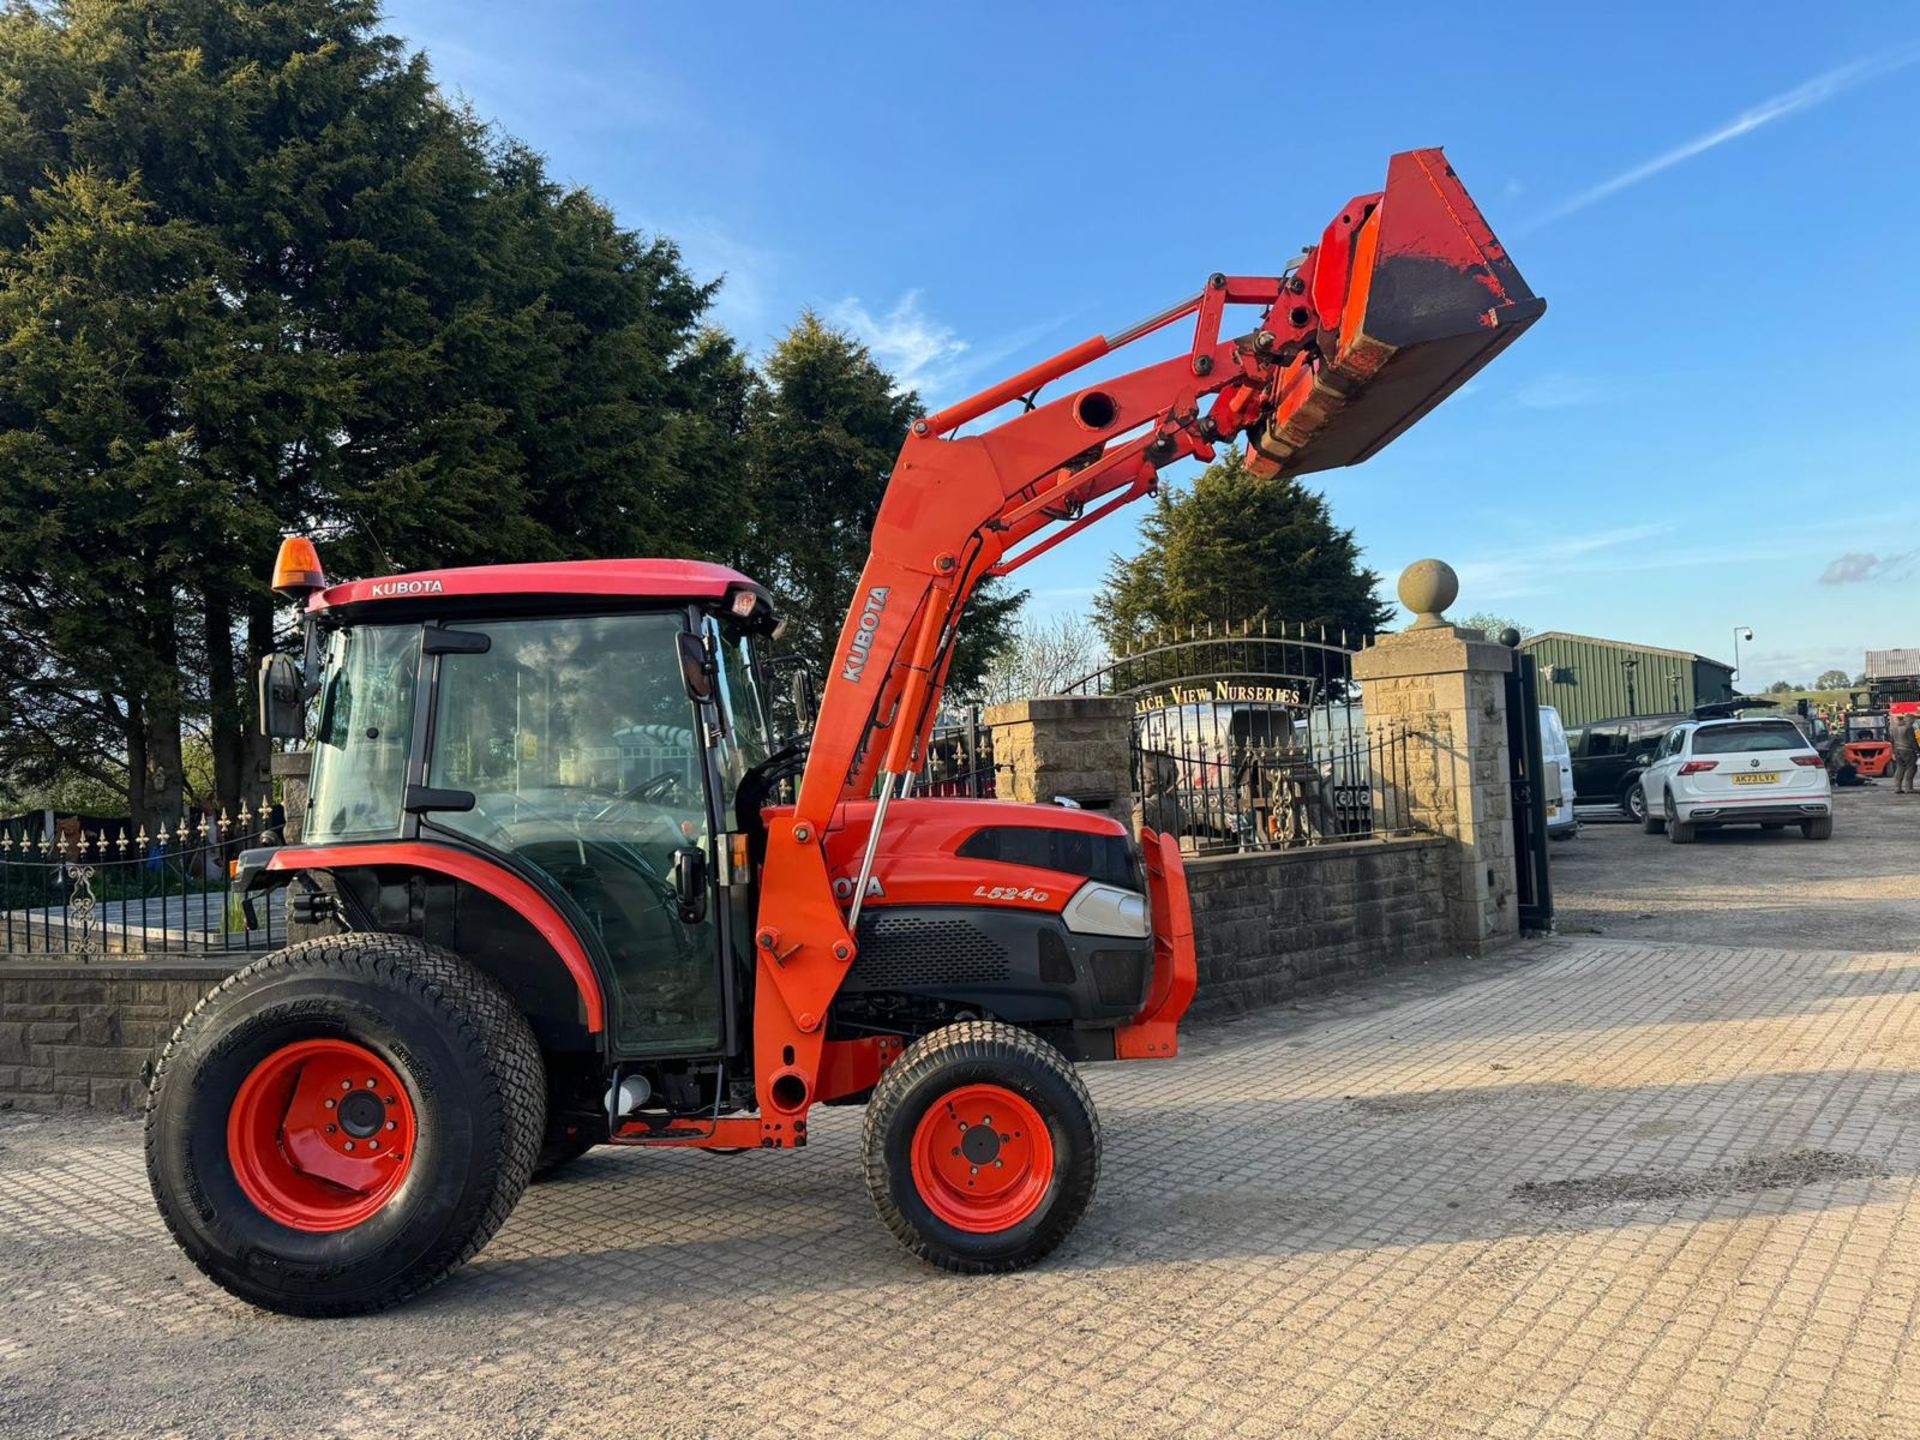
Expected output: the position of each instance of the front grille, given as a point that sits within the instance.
(1120, 976)
(903, 950)
(1056, 965)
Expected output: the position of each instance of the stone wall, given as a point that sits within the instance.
(80, 1037)
(1275, 926)
(1270, 927)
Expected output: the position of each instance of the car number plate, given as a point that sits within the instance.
(1758, 777)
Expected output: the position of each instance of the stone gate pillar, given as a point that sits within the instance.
(1444, 688)
(1072, 746)
(293, 769)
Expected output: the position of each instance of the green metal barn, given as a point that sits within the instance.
(1588, 679)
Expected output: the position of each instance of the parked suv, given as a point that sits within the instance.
(1736, 772)
(1608, 756)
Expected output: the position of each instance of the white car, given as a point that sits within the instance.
(1709, 773)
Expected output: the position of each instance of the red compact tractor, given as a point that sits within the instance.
(549, 902)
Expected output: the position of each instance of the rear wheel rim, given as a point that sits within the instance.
(983, 1158)
(321, 1135)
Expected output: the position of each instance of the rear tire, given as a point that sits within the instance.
(928, 1145)
(1651, 823)
(1680, 832)
(252, 1181)
(567, 1140)
(1821, 829)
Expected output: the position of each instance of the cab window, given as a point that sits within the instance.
(364, 734)
(580, 748)
(745, 744)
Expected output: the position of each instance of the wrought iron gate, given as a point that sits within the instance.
(1250, 737)
(1527, 776)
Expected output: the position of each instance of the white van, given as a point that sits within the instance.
(1558, 759)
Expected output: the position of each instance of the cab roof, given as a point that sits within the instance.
(571, 582)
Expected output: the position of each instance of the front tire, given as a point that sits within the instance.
(342, 1123)
(982, 1148)
(1633, 800)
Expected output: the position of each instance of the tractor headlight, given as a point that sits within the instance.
(1107, 910)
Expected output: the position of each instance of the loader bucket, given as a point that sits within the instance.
(1424, 294)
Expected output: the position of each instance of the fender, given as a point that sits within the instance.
(495, 879)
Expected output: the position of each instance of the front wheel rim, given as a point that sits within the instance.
(321, 1135)
(982, 1158)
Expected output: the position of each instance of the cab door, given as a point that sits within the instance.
(570, 744)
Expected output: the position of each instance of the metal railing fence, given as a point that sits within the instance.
(89, 889)
(1222, 794)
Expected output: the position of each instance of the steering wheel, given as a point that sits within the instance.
(656, 789)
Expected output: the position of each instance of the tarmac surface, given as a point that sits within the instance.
(1597, 1187)
(1747, 886)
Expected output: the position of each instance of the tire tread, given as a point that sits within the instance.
(969, 1040)
(477, 1013)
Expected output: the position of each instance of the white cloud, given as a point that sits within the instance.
(532, 96)
(1559, 390)
(1537, 567)
(926, 354)
(1817, 91)
(923, 354)
(747, 273)
(1857, 567)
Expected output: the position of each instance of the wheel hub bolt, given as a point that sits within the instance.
(349, 1145)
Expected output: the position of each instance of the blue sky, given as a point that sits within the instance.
(1717, 423)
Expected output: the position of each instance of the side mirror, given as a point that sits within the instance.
(1643, 759)
(801, 688)
(690, 883)
(696, 667)
(283, 716)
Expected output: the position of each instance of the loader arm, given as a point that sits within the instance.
(1405, 296)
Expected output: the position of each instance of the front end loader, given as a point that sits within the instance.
(549, 896)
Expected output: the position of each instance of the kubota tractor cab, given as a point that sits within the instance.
(546, 898)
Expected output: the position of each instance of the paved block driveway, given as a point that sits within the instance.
(1606, 1189)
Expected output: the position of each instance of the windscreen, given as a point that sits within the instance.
(1748, 738)
(365, 733)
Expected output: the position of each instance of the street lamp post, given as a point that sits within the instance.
(1740, 632)
(1630, 666)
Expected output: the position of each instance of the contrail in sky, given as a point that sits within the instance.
(1817, 91)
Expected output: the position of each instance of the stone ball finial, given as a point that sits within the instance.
(1427, 588)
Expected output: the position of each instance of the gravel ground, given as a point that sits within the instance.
(1858, 891)
(1597, 1189)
